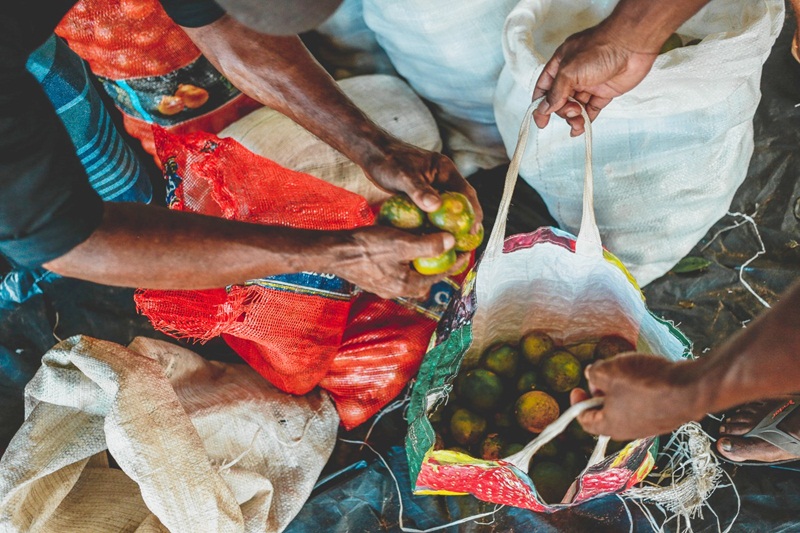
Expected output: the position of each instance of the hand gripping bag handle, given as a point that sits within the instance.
(588, 242)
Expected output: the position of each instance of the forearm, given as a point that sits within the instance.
(760, 362)
(646, 24)
(151, 247)
(280, 73)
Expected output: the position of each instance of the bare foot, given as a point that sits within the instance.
(737, 448)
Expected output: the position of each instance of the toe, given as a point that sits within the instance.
(750, 449)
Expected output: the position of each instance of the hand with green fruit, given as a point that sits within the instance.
(455, 215)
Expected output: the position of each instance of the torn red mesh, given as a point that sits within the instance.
(296, 332)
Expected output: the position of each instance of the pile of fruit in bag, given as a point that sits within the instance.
(514, 393)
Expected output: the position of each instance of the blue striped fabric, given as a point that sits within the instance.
(113, 168)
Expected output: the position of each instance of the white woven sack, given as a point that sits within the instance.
(348, 46)
(450, 52)
(203, 446)
(388, 101)
(670, 154)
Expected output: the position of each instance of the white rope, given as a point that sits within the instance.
(745, 219)
(226, 465)
(55, 326)
(388, 409)
(400, 498)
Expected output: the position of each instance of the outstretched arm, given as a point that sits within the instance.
(605, 61)
(280, 73)
(152, 247)
(647, 395)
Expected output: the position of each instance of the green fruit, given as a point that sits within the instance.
(527, 382)
(673, 41)
(583, 352)
(610, 346)
(504, 420)
(562, 372)
(399, 211)
(536, 410)
(467, 427)
(549, 450)
(577, 433)
(455, 215)
(573, 463)
(491, 447)
(536, 345)
(481, 390)
(502, 360)
(466, 242)
(511, 449)
(435, 265)
(551, 481)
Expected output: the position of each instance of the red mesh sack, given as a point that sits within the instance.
(151, 69)
(288, 327)
(295, 330)
(382, 349)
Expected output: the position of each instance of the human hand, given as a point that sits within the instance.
(378, 259)
(645, 395)
(593, 67)
(419, 173)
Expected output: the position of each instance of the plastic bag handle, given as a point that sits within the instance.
(588, 242)
(522, 458)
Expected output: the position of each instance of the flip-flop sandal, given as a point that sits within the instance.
(767, 430)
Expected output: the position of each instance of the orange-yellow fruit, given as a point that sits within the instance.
(536, 410)
(455, 215)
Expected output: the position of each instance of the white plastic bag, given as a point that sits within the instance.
(203, 446)
(670, 154)
(450, 52)
(388, 101)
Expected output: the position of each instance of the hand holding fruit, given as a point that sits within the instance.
(454, 215)
(419, 174)
(377, 260)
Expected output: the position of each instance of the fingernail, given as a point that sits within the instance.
(725, 444)
(430, 201)
(449, 241)
(572, 113)
(723, 429)
(543, 107)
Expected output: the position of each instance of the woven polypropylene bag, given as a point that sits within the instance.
(450, 52)
(671, 152)
(201, 445)
(141, 57)
(287, 327)
(547, 280)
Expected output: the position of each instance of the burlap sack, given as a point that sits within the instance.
(202, 446)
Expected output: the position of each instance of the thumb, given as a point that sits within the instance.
(598, 378)
(429, 245)
(423, 194)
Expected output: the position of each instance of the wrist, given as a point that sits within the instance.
(692, 381)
